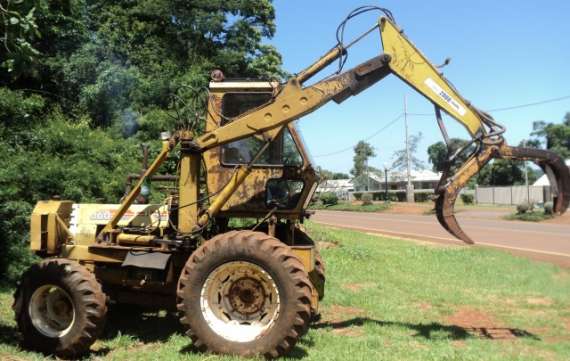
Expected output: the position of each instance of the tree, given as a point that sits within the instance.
(554, 137)
(19, 29)
(330, 175)
(82, 82)
(362, 151)
(400, 156)
(530, 143)
(501, 172)
(438, 153)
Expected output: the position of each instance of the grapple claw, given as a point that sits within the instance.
(445, 213)
(553, 166)
(450, 186)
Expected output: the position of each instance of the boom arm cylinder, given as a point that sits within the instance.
(320, 64)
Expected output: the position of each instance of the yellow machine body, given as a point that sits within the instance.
(251, 163)
(412, 66)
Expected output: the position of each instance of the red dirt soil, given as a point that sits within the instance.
(479, 324)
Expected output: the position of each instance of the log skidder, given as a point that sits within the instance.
(244, 293)
(60, 308)
(239, 290)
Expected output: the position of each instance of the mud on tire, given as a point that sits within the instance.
(244, 293)
(60, 308)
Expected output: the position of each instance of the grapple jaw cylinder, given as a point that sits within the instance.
(450, 186)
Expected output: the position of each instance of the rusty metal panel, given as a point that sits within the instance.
(249, 199)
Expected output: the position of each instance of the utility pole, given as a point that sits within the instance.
(409, 186)
(526, 177)
(367, 176)
(386, 200)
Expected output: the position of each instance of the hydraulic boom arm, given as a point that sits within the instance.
(293, 100)
(403, 59)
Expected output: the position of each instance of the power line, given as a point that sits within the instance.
(502, 109)
(546, 101)
(365, 139)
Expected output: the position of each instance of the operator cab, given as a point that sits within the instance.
(282, 178)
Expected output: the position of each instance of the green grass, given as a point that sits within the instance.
(346, 206)
(386, 299)
(533, 216)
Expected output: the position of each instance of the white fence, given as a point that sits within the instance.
(512, 195)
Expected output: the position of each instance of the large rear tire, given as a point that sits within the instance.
(244, 293)
(60, 308)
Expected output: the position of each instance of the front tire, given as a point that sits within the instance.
(244, 293)
(60, 308)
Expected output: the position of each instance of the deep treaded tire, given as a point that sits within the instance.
(254, 255)
(63, 287)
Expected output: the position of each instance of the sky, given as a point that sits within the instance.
(504, 53)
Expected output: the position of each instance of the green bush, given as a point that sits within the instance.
(467, 198)
(366, 199)
(524, 207)
(329, 199)
(58, 157)
(422, 196)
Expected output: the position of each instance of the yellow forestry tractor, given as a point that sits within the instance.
(238, 290)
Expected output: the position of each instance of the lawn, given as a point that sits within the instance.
(387, 299)
(354, 207)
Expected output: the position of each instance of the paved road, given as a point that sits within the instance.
(549, 242)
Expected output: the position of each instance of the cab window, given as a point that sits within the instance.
(281, 152)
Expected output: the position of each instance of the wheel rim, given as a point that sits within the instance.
(240, 301)
(52, 311)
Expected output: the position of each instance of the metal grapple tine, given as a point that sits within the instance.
(554, 167)
(449, 189)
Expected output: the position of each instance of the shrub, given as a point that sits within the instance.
(329, 199)
(366, 199)
(421, 197)
(548, 208)
(524, 207)
(467, 198)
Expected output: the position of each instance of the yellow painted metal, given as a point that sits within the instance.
(413, 67)
(237, 179)
(291, 103)
(307, 256)
(188, 190)
(325, 60)
(48, 227)
(82, 253)
(167, 145)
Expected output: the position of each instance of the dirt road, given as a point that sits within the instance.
(540, 241)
